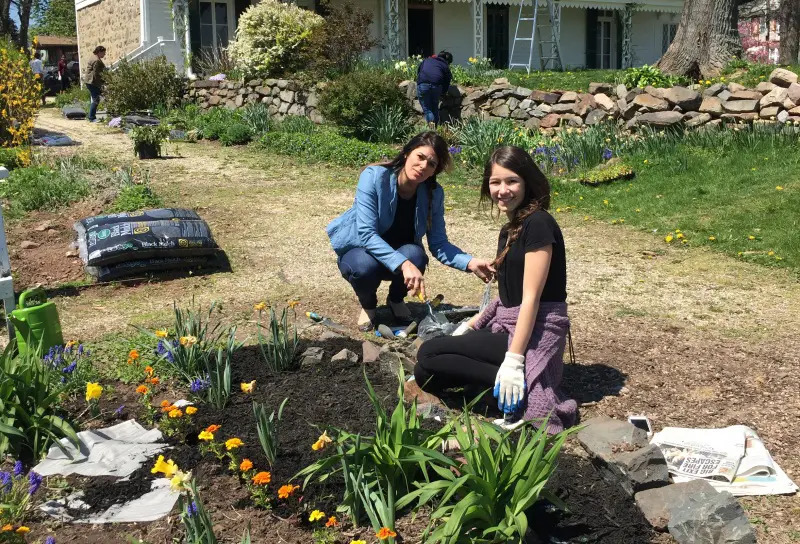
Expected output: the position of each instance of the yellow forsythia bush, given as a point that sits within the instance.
(20, 95)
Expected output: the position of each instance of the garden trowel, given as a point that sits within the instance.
(439, 317)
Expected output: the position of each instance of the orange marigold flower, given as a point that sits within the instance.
(165, 403)
(176, 413)
(154, 380)
(285, 490)
(148, 370)
(262, 478)
(168, 407)
(7, 527)
(331, 522)
(245, 465)
(213, 428)
(133, 354)
(385, 533)
(142, 389)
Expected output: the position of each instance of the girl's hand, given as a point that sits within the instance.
(482, 268)
(413, 279)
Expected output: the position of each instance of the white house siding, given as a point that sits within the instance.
(647, 32)
(452, 23)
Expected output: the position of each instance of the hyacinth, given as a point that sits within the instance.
(198, 385)
(191, 509)
(50, 540)
(5, 481)
(18, 469)
(34, 481)
(607, 153)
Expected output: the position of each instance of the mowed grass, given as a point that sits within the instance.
(742, 200)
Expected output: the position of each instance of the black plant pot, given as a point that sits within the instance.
(147, 150)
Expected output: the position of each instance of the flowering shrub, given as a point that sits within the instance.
(273, 37)
(19, 96)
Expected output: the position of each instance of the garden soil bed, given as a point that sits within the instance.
(333, 395)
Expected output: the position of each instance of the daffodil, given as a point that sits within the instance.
(93, 391)
(712, 238)
(751, 237)
(779, 188)
(248, 387)
(180, 481)
(260, 306)
(162, 333)
(322, 442)
(188, 341)
(168, 468)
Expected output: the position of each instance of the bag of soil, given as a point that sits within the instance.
(159, 214)
(141, 267)
(128, 240)
(73, 112)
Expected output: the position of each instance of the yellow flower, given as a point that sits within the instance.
(162, 333)
(93, 391)
(205, 435)
(248, 387)
(770, 253)
(605, 202)
(638, 210)
(260, 306)
(751, 237)
(22, 530)
(175, 414)
(233, 443)
(358, 542)
(645, 161)
(321, 442)
(293, 303)
(188, 341)
(191, 410)
(679, 235)
(168, 468)
(712, 238)
(316, 515)
(668, 238)
(778, 188)
(71, 342)
(180, 480)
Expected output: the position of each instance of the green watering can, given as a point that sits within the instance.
(36, 322)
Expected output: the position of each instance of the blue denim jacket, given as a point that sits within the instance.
(373, 213)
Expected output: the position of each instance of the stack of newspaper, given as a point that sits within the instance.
(732, 459)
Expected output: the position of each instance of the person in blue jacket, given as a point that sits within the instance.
(380, 237)
(433, 81)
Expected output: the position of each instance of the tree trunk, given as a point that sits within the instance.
(7, 27)
(789, 21)
(25, 7)
(707, 39)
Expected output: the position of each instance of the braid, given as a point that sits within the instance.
(514, 229)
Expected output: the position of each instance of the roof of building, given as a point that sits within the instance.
(53, 41)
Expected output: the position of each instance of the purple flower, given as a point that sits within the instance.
(80, 349)
(18, 469)
(118, 411)
(5, 481)
(71, 368)
(198, 385)
(35, 481)
(607, 154)
(115, 122)
(191, 509)
(217, 77)
(50, 540)
(161, 348)
(455, 149)
(554, 159)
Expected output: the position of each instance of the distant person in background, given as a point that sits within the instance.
(63, 74)
(38, 71)
(94, 80)
(433, 81)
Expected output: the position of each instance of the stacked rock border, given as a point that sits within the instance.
(776, 100)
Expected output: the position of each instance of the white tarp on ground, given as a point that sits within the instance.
(151, 506)
(114, 451)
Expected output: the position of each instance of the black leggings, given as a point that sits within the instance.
(456, 361)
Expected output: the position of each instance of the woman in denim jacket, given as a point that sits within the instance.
(380, 237)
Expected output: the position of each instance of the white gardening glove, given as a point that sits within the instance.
(464, 328)
(509, 385)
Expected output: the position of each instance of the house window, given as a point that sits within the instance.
(606, 39)
(216, 21)
(667, 35)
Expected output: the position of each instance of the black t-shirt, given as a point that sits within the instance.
(402, 231)
(538, 230)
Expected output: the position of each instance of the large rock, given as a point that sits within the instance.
(699, 119)
(621, 91)
(595, 116)
(474, 96)
(585, 104)
(657, 504)
(714, 90)
(564, 108)
(629, 111)
(622, 453)
(767, 113)
(793, 93)
(782, 77)
(27, 244)
(709, 517)
(519, 114)
(746, 117)
(501, 111)
(736, 87)
(522, 92)
(659, 119)
(369, 352)
(686, 99)
(312, 357)
(745, 95)
(551, 120)
(724, 95)
(795, 111)
(774, 98)
(765, 86)
(712, 105)
(569, 96)
(604, 101)
(572, 120)
(346, 356)
(393, 358)
(605, 88)
(650, 102)
(783, 116)
(532, 123)
(542, 96)
(740, 106)
(633, 93)
(658, 92)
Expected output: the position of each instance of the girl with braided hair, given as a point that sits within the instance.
(380, 237)
(516, 344)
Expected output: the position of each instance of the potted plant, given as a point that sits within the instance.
(147, 140)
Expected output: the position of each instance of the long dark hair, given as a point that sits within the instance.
(537, 189)
(439, 145)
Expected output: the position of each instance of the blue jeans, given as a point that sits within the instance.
(365, 273)
(94, 90)
(429, 96)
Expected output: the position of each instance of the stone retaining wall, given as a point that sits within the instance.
(776, 100)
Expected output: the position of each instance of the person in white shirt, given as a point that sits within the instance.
(38, 71)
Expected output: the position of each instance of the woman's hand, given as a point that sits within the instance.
(482, 268)
(413, 279)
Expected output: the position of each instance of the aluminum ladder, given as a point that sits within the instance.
(6, 283)
(536, 30)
